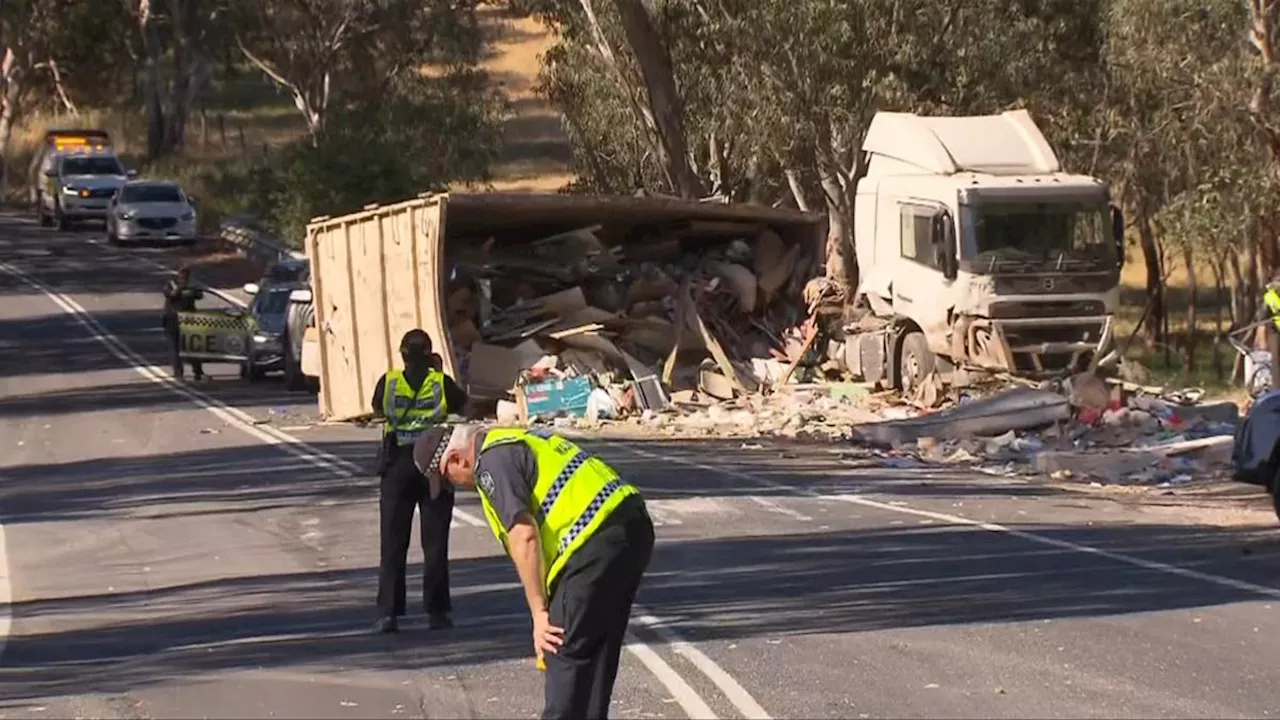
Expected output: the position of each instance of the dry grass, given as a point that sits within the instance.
(1171, 372)
(536, 151)
(255, 118)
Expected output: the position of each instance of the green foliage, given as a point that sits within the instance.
(425, 134)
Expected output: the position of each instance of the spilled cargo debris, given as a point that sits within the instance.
(692, 314)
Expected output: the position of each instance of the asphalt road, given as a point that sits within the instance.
(192, 551)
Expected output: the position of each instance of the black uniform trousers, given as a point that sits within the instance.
(175, 347)
(592, 602)
(402, 490)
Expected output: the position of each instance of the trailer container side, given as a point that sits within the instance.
(380, 272)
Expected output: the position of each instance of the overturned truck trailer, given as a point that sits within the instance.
(379, 272)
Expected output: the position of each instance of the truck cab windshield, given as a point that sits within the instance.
(1039, 236)
(91, 166)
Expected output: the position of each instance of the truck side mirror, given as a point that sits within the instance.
(1117, 233)
(944, 245)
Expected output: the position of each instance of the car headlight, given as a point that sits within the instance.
(68, 190)
(266, 338)
(129, 215)
(188, 216)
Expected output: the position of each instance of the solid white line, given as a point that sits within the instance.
(228, 414)
(693, 704)
(731, 688)
(6, 595)
(779, 508)
(1166, 568)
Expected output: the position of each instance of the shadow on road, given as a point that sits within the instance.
(277, 621)
(731, 589)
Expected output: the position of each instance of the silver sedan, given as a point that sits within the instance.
(151, 211)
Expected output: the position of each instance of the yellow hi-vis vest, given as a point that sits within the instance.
(1272, 300)
(409, 414)
(574, 493)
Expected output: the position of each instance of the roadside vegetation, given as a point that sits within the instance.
(286, 109)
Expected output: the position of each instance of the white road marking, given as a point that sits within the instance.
(779, 508)
(731, 688)
(684, 694)
(694, 706)
(904, 509)
(231, 415)
(6, 595)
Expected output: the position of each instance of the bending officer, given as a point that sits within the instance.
(581, 539)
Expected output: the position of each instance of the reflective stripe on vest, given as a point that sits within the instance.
(574, 493)
(410, 413)
(1272, 300)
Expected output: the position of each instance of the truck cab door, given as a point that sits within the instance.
(926, 268)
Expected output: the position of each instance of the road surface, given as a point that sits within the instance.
(206, 551)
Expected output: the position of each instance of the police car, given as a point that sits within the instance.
(217, 334)
(79, 174)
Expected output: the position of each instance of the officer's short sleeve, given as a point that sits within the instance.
(511, 470)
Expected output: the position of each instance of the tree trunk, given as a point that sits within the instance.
(60, 89)
(841, 263)
(664, 98)
(1193, 333)
(1220, 301)
(1237, 287)
(1153, 334)
(12, 77)
(152, 85)
(175, 129)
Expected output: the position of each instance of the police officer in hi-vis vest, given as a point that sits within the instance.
(580, 537)
(412, 400)
(1271, 310)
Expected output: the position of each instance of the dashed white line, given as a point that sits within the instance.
(231, 415)
(904, 509)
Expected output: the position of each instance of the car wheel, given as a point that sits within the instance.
(915, 361)
(60, 219)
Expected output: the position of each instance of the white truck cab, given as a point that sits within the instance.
(976, 251)
(79, 173)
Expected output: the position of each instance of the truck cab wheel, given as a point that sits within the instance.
(915, 361)
(294, 380)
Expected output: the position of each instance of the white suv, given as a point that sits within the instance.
(78, 186)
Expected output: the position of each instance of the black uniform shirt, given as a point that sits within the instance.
(180, 298)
